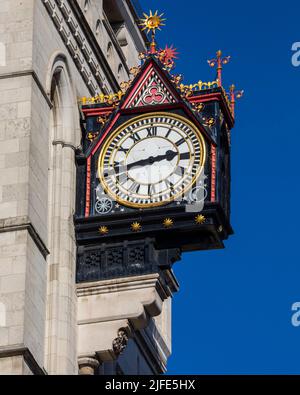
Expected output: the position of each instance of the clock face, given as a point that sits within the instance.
(151, 160)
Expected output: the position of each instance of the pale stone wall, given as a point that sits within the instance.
(35, 302)
(12, 285)
(14, 145)
(13, 366)
(163, 323)
(22, 292)
(15, 88)
(16, 23)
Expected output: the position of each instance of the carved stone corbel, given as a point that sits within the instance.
(110, 310)
(120, 342)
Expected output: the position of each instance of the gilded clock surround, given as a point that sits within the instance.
(122, 127)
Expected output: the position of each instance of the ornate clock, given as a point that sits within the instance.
(152, 160)
(153, 176)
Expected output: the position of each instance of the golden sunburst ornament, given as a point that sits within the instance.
(168, 222)
(200, 219)
(103, 230)
(136, 227)
(152, 22)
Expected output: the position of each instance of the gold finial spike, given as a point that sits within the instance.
(136, 227)
(219, 53)
(234, 94)
(168, 223)
(219, 61)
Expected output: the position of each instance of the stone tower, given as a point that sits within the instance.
(51, 53)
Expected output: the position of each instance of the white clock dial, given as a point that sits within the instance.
(151, 160)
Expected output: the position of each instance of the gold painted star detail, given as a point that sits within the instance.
(136, 227)
(103, 230)
(200, 219)
(168, 223)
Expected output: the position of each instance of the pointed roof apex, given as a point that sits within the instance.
(150, 86)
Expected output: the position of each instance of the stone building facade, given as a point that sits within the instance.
(52, 53)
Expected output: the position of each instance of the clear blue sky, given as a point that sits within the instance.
(233, 311)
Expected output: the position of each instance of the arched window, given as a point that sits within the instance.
(98, 27)
(121, 73)
(109, 51)
(86, 5)
(110, 55)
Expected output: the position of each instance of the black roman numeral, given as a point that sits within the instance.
(169, 184)
(185, 155)
(151, 189)
(135, 137)
(152, 131)
(179, 171)
(125, 150)
(179, 142)
(107, 171)
(119, 168)
(121, 180)
(134, 188)
(168, 134)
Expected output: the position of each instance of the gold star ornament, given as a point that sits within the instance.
(103, 230)
(168, 223)
(136, 227)
(200, 219)
(152, 22)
